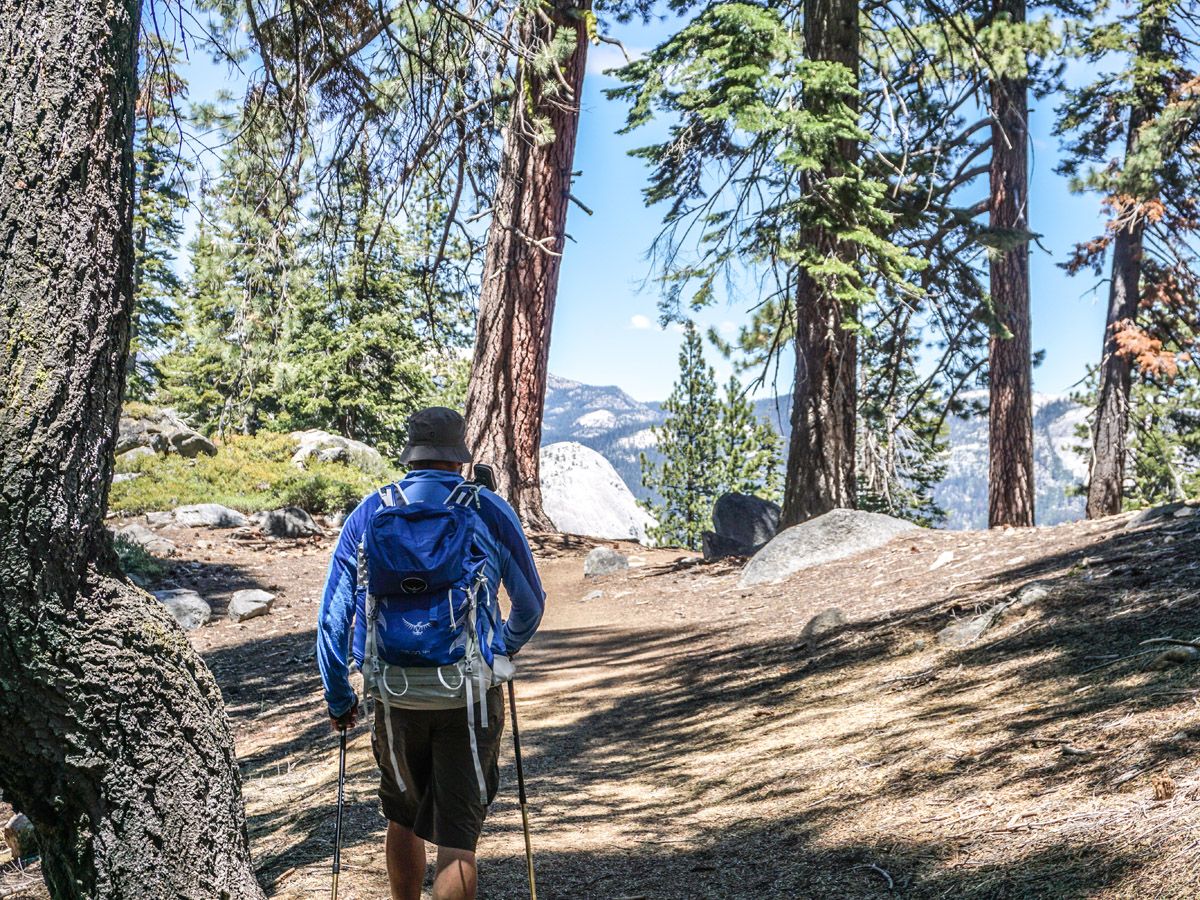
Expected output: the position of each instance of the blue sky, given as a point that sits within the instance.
(605, 329)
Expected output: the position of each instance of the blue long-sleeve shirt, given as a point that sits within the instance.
(341, 626)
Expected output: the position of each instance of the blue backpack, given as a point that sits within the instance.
(429, 621)
(424, 569)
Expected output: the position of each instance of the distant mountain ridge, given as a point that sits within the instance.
(609, 421)
(606, 419)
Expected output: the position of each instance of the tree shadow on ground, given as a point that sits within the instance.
(1034, 683)
(784, 860)
(719, 731)
(272, 679)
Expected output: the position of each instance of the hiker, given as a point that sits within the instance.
(433, 656)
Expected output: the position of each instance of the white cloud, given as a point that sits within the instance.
(727, 327)
(640, 322)
(608, 56)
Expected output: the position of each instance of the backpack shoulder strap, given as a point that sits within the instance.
(393, 495)
(465, 493)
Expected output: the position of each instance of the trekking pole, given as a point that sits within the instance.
(337, 829)
(512, 705)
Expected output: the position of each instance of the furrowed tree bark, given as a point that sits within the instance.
(507, 389)
(114, 739)
(1106, 484)
(1010, 425)
(820, 467)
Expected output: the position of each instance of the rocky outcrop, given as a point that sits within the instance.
(745, 518)
(835, 535)
(742, 524)
(824, 622)
(131, 456)
(159, 431)
(604, 561)
(965, 631)
(21, 837)
(199, 515)
(583, 494)
(211, 515)
(714, 546)
(1180, 510)
(289, 522)
(321, 446)
(189, 608)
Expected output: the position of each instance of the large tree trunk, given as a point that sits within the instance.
(1105, 487)
(1107, 482)
(507, 389)
(1010, 427)
(820, 466)
(114, 738)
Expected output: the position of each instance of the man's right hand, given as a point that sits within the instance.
(346, 720)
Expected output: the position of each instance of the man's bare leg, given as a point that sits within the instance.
(405, 862)
(456, 875)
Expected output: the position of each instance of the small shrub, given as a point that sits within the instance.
(248, 474)
(326, 490)
(137, 562)
(134, 409)
(266, 446)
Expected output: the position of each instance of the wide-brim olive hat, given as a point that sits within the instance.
(436, 434)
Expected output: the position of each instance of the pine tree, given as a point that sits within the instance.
(525, 246)
(763, 162)
(1010, 361)
(368, 341)
(1164, 449)
(1147, 112)
(688, 480)
(998, 52)
(345, 318)
(747, 447)
(710, 445)
(159, 200)
(247, 276)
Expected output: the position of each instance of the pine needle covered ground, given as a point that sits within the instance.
(682, 741)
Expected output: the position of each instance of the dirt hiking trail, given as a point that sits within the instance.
(682, 740)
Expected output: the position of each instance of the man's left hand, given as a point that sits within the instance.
(346, 720)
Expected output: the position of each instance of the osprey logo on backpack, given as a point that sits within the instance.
(417, 628)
